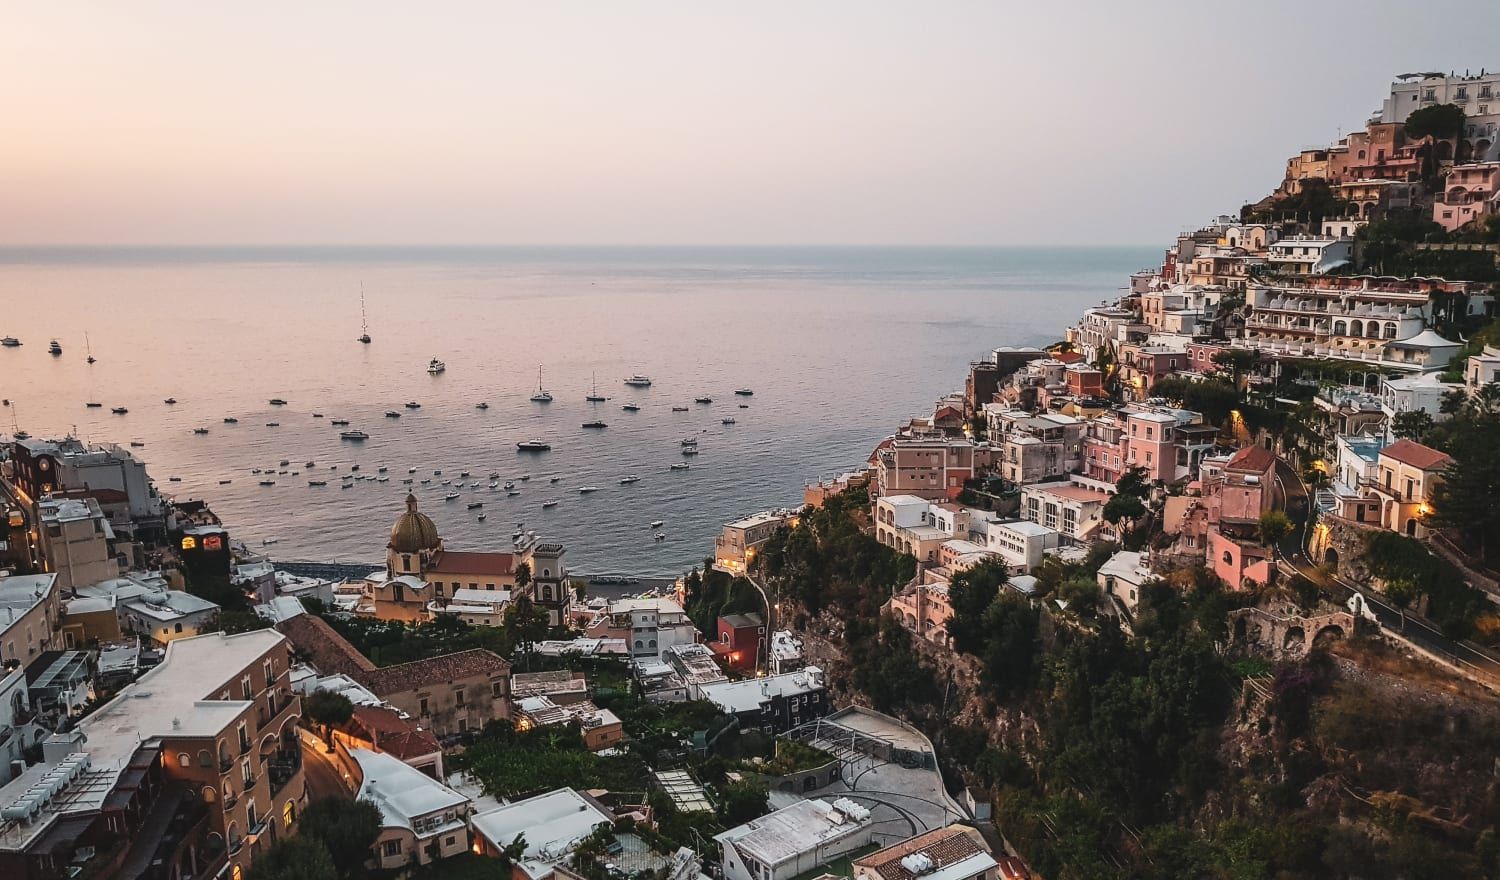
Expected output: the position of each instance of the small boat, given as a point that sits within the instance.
(630, 407)
(136, 444)
(547, 504)
(317, 482)
(703, 400)
(424, 481)
(554, 479)
(679, 409)
(626, 481)
(509, 485)
(475, 505)
(382, 479)
(169, 401)
(406, 481)
(273, 424)
(656, 524)
(542, 395)
(353, 435)
(268, 482)
(584, 490)
(481, 405)
(660, 536)
(338, 422)
(255, 470)
(54, 349)
(317, 415)
(119, 410)
(437, 473)
(224, 482)
(463, 473)
(726, 421)
(200, 430)
(310, 465)
(744, 406)
(594, 396)
(412, 404)
(682, 466)
(92, 405)
(276, 401)
(595, 425)
(447, 482)
(10, 342)
(451, 496)
(690, 441)
(510, 492)
(352, 467)
(524, 477)
(689, 450)
(638, 381)
(745, 392)
(534, 446)
(284, 462)
(270, 541)
(481, 516)
(231, 420)
(380, 470)
(392, 414)
(436, 366)
(174, 479)
(345, 485)
(88, 347)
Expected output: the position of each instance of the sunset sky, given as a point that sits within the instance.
(755, 123)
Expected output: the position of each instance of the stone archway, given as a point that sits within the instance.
(1294, 641)
(1331, 558)
(1328, 635)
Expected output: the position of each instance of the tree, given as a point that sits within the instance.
(232, 622)
(523, 575)
(346, 828)
(1412, 425)
(327, 709)
(1438, 121)
(295, 858)
(969, 594)
(1123, 507)
(1274, 525)
(741, 802)
(1238, 361)
(525, 624)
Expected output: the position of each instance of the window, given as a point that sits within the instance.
(177, 627)
(497, 688)
(458, 696)
(184, 759)
(463, 725)
(270, 672)
(247, 774)
(289, 815)
(422, 707)
(391, 848)
(245, 688)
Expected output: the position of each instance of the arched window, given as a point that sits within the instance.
(1340, 328)
(289, 815)
(204, 758)
(210, 794)
(1357, 328)
(1228, 558)
(1390, 331)
(639, 643)
(184, 759)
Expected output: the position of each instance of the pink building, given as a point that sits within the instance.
(1141, 366)
(1469, 192)
(1235, 499)
(924, 610)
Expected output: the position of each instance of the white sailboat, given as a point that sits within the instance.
(88, 347)
(364, 321)
(542, 395)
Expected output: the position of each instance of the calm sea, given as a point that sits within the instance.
(838, 344)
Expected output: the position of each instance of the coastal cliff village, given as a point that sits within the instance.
(1206, 588)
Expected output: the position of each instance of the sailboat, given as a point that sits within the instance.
(88, 347)
(364, 322)
(541, 395)
(594, 396)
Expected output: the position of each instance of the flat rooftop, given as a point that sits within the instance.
(803, 827)
(553, 824)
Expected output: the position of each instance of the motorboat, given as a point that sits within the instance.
(382, 479)
(689, 450)
(170, 401)
(547, 504)
(392, 414)
(744, 406)
(436, 366)
(681, 466)
(200, 430)
(382, 469)
(267, 482)
(286, 461)
(703, 400)
(174, 479)
(594, 396)
(511, 492)
(451, 496)
(584, 490)
(10, 342)
(481, 405)
(92, 405)
(679, 409)
(554, 479)
(119, 410)
(54, 349)
(315, 483)
(630, 407)
(310, 465)
(225, 482)
(745, 392)
(412, 404)
(353, 435)
(276, 401)
(656, 524)
(317, 415)
(269, 541)
(406, 481)
(345, 485)
(449, 483)
(437, 473)
(481, 516)
(595, 425)
(494, 484)
(638, 381)
(273, 424)
(509, 484)
(475, 505)
(726, 421)
(255, 470)
(338, 422)
(660, 536)
(136, 444)
(411, 470)
(542, 395)
(626, 481)
(424, 481)
(690, 441)
(463, 473)
(533, 446)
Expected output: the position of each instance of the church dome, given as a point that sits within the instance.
(414, 531)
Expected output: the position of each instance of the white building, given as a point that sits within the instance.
(1348, 319)
(1073, 510)
(146, 606)
(794, 840)
(15, 723)
(650, 625)
(475, 607)
(1309, 254)
(1482, 369)
(1478, 96)
(1413, 393)
(1123, 575)
(421, 820)
(553, 824)
(1021, 543)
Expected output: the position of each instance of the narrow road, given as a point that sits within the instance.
(322, 778)
(1292, 550)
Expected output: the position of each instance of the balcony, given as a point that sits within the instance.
(285, 764)
(226, 763)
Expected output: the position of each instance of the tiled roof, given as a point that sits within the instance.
(328, 651)
(1254, 459)
(471, 562)
(393, 734)
(944, 846)
(1415, 454)
(438, 670)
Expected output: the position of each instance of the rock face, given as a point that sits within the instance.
(1339, 543)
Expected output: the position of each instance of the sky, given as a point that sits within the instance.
(927, 123)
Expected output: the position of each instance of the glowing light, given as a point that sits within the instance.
(189, 542)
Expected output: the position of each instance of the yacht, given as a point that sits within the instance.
(93, 405)
(679, 409)
(412, 404)
(542, 395)
(703, 400)
(595, 425)
(638, 381)
(169, 401)
(364, 322)
(392, 414)
(481, 405)
(656, 524)
(728, 421)
(584, 490)
(276, 401)
(338, 422)
(451, 496)
(630, 407)
(533, 446)
(594, 396)
(626, 481)
(745, 392)
(681, 466)
(436, 366)
(10, 342)
(54, 349)
(119, 410)
(353, 435)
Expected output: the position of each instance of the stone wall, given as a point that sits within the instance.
(1339, 544)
